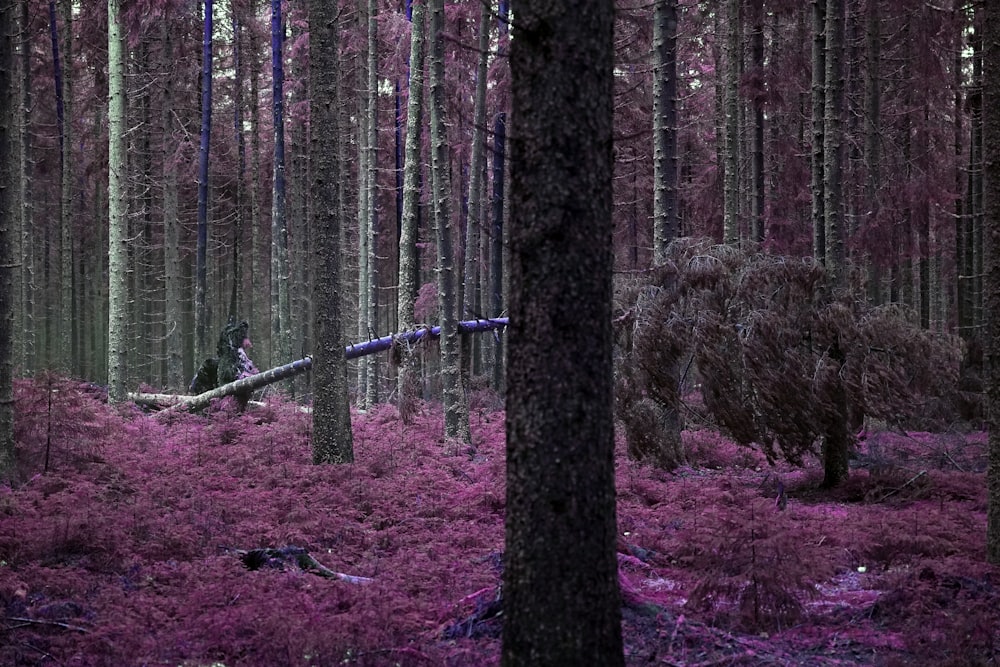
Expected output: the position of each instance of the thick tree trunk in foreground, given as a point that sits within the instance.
(332, 436)
(560, 422)
(991, 279)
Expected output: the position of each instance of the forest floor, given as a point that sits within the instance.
(126, 550)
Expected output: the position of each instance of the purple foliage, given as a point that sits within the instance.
(123, 553)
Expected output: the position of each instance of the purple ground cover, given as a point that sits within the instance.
(125, 552)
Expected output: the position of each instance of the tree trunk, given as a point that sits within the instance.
(407, 372)
(974, 209)
(66, 321)
(757, 146)
(281, 312)
(26, 210)
(497, 243)
(818, 105)
(236, 296)
(731, 200)
(664, 127)
(201, 277)
(8, 262)
(477, 168)
(260, 280)
(667, 412)
(456, 408)
(332, 436)
(991, 239)
(367, 184)
(117, 207)
(171, 226)
(560, 422)
(873, 141)
(833, 143)
(963, 231)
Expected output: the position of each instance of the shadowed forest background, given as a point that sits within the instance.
(801, 224)
(909, 141)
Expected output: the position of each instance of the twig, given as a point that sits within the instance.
(38, 621)
(908, 482)
(953, 462)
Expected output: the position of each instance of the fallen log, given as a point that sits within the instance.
(174, 402)
(247, 384)
(385, 342)
(255, 559)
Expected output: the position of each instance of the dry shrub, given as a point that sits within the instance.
(785, 361)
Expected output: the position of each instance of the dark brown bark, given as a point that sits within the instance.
(561, 610)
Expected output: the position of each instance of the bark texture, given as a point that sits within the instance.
(560, 426)
(991, 239)
(8, 265)
(456, 409)
(406, 378)
(117, 207)
(332, 437)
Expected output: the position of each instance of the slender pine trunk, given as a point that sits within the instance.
(201, 279)
(407, 372)
(818, 105)
(26, 209)
(8, 229)
(281, 314)
(477, 168)
(731, 200)
(117, 207)
(456, 415)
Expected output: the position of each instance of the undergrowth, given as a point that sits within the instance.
(122, 552)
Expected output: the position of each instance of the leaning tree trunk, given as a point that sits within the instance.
(117, 207)
(332, 437)
(456, 409)
(407, 373)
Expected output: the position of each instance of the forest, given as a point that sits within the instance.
(479, 332)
